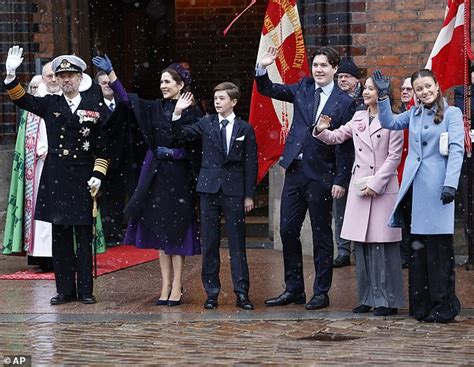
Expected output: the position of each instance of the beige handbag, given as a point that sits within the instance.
(361, 183)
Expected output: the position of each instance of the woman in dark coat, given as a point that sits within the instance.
(161, 211)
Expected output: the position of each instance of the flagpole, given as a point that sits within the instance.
(467, 122)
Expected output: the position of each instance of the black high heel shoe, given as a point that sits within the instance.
(175, 303)
(162, 302)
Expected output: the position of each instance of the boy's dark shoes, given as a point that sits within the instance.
(243, 301)
(62, 298)
(211, 303)
(87, 299)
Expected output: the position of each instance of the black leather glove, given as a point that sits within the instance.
(448, 194)
(382, 83)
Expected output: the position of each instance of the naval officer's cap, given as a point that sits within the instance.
(68, 63)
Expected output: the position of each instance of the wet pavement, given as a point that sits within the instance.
(125, 328)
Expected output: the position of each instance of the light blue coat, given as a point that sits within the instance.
(426, 170)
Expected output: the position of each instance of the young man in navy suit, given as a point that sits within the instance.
(226, 185)
(315, 173)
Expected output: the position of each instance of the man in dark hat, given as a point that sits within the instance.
(75, 163)
(348, 76)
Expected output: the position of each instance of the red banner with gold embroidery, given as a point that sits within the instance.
(270, 118)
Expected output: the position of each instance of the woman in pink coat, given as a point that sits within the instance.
(372, 195)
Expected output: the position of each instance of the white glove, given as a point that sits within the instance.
(14, 59)
(41, 151)
(94, 184)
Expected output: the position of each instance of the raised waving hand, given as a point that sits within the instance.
(268, 57)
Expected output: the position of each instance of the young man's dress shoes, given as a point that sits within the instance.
(318, 302)
(286, 298)
(244, 302)
(211, 303)
(341, 261)
(87, 299)
(59, 299)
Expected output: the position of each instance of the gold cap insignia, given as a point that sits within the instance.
(65, 64)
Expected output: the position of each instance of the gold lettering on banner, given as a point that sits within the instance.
(275, 40)
(292, 14)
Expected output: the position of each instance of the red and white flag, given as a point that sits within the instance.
(270, 118)
(447, 59)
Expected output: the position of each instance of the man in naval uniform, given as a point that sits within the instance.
(75, 165)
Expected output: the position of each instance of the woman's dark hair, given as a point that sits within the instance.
(177, 78)
(331, 54)
(439, 102)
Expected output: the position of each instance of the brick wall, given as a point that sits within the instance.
(394, 35)
(214, 58)
(16, 27)
(400, 35)
(44, 37)
(334, 23)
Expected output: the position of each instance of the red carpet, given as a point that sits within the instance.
(115, 258)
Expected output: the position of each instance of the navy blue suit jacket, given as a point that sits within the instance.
(321, 162)
(236, 172)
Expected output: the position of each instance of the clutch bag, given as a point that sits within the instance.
(361, 183)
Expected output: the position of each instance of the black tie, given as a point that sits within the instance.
(224, 135)
(317, 99)
(71, 104)
(112, 106)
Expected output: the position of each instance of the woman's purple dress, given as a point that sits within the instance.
(162, 210)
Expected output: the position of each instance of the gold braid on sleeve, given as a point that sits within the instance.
(101, 165)
(16, 92)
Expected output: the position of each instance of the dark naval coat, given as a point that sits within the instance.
(75, 140)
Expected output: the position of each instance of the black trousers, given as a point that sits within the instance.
(300, 194)
(405, 243)
(431, 277)
(67, 264)
(463, 189)
(232, 207)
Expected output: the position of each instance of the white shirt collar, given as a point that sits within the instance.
(108, 102)
(229, 118)
(76, 101)
(327, 89)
